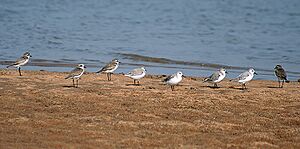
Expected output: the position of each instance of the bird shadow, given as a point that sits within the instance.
(133, 84)
(213, 87)
(238, 88)
(69, 86)
(273, 87)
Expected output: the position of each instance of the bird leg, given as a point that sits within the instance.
(172, 87)
(77, 83)
(107, 76)
(110, 76)
(20, 71)
(244, 86)
(215, 85)
(73, 82)
(134, 82)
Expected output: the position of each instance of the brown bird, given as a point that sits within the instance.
(76, 73)
(281, 75)
(110, 68)
(20, 62)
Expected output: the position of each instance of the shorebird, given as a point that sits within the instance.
(216, 77)
(110, 68)
(173, 79)
(136, 74)
(281, 75)
(76, 73)
(21, 61)
(244, 77)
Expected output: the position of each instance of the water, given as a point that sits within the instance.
(195, 36)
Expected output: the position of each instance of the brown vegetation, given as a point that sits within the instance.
(42, 110)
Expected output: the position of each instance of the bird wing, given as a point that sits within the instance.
(20, 60)
(281, 73)
(137, 71)
(108, 66)
(75, 72)
(214, 76)
(169, 78)
(243, 75)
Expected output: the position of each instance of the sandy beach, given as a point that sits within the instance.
(42, 110)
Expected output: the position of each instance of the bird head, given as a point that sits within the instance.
(27, 54)
(252, 71)
(81, 66)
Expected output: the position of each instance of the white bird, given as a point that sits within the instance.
(110, 68)
(76, 73)
(21, 61)
(173, 79)
(216, 77)
(245, 77)
(136, 74)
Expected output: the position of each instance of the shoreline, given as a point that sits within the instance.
(41, 110)
(160, 66)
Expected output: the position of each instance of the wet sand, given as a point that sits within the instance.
(42, 110)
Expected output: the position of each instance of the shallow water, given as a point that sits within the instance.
(194, 36)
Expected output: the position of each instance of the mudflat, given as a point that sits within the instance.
(42, 110)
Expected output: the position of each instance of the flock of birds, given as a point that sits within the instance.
(172, 80)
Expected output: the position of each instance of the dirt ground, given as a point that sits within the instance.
(42, 110)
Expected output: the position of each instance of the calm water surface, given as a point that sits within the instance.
(195, 36)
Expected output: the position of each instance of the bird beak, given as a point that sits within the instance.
(226, 72)
(255, 73)
(84, 67)
(30, 55)
(183, 76)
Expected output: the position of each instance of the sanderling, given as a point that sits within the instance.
(216, 77)
(173, 79)
(136, 74)
(21, 61)
(76, 73)
(110, 68)
(281, 75)
(245, 77)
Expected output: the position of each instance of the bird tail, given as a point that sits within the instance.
(205, 79)
(286, 80)
(10, 65)
(67, 77)
(99, 71)
(164, 80)
(127, 75)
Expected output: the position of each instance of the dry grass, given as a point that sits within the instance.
(41, 110)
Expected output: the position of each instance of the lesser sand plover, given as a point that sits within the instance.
(76, 73)
(110, 68)
(21, 61)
